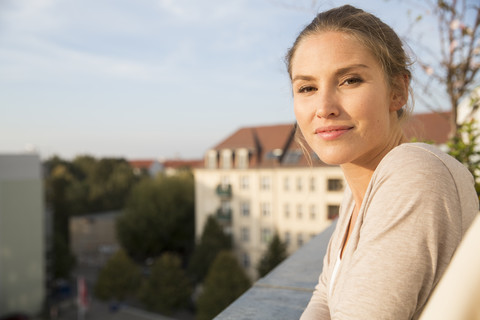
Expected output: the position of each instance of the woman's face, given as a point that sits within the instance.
(342, 102)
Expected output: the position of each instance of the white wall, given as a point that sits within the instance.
(22, 248)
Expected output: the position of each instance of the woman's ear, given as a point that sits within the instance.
(399, 92)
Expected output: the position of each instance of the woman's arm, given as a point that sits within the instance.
(317, 308)
(410, 227)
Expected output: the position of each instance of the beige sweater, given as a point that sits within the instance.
(416, 209)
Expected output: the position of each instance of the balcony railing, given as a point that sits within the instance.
(224, 215)
(224, 191)
(284, 292)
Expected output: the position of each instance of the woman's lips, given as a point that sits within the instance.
(332, 132)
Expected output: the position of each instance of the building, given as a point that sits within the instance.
(172, 167)
(93, 237)
(258, 182)
(22, 235)
(146, 167)
(167, 167)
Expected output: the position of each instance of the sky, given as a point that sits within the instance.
(145, 79)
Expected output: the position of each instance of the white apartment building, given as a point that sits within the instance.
(258, 181)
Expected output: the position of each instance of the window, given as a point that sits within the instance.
(274, 154)
(312, 184)
(333, 211)
(335, 185)
(300, 239)
(265, 183)
(299, 211)
(299, 184)
(293, 156)
(245, 260)
(286, 210)
(226, 207)
(245, 208)
(244, 182)
(286, 183)
(313, 212)
(245, 234)
(266, 235)
(265, 209)
(225, 181)
(287, 238)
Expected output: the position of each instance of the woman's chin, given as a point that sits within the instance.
(330, 159)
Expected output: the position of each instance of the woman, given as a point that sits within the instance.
(407, 205)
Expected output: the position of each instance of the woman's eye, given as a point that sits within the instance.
(306, 89)
(352, 81)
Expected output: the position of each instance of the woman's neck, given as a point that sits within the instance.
(358, 176)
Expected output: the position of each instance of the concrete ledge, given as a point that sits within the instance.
(284, 292)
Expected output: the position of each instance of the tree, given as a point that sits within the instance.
(72, 189)
(464, 148)
(57, 182)
(63, 259)
(212, 241)
(225, 282)
(167, 288)
(118, 279)
(110, 183)
(158, 218)
(276, 253)
(455, 65)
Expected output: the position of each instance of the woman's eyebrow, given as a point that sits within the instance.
(349, 68)
(302, 77)
(340, 71)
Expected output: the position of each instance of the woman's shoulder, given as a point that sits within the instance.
(415, 158)
(422, 167)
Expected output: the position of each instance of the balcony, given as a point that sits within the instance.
(284, 292)
(224, 216)
(224, 191)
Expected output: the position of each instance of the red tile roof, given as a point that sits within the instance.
(270, 137)
(177, 164)
(141, 164)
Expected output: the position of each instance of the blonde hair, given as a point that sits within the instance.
(377, 36)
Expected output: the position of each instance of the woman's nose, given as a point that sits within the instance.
(327, 104)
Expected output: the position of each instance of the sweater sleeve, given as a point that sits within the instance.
(406, 233)
(317, 308)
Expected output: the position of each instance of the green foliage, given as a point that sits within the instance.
(167, 288)
(158, 218)
(88, 185)
(225, 282)
(118, 279)
(56, 186)
(84, 185)
(463, 147)
(110, 183)
(212, 241)
(276, 253)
